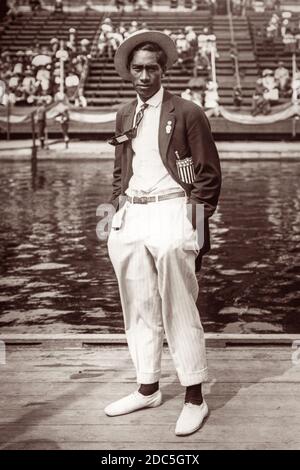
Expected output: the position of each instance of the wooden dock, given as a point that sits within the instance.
(52, 396)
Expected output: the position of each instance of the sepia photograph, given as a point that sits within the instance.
(150, 228)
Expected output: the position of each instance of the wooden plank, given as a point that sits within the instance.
(107, 363)
(179, 444)
(55, 399)
(223, 338)
(168, 412)
(245, 372)
(213, 431)
(71, 356)
(73, 390)
(240, 403)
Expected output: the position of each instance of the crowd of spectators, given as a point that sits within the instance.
(271, 86)
(194, 55)
(193, 48)
(34, 75)
(282, 27)
(204, 95)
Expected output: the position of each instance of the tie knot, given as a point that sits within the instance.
(140, 114)
(142, 109)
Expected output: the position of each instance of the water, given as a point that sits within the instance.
(56, 276)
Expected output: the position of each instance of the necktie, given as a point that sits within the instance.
(138, 119)
(131, 133)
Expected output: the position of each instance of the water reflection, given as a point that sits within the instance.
(56, 276)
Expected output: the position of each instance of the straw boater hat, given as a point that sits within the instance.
(139, 37)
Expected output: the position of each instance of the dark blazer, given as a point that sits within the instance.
(190, 136)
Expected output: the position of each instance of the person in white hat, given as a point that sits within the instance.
(166, 172)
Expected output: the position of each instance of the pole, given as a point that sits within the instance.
(62, 71)
(213, 65)
(8, 120)
(294, 69)
(237, 74)
(46, 136)
(34, 147)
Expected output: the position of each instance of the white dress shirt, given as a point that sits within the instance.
(150, 176)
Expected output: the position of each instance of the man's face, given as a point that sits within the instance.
(146, 74)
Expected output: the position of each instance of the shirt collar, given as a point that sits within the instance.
(155, 100)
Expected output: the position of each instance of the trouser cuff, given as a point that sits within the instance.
(194, 378)
(147, 377)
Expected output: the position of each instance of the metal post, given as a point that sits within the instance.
(294, 71)
(213, 65)
(62, 74)
(46, 135)
(8, 120)
(34, 147)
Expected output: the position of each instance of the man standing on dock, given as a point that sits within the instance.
(166, 163)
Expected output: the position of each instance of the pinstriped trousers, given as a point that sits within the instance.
(153, 255)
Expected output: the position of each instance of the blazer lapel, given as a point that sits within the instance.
(166, 125)
(128, 118)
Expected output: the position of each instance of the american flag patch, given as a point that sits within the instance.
(186, 170)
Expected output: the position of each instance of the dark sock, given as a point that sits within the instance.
(148, 389)
(193, 394)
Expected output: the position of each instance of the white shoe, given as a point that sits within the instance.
(133, 402)
(191, 418)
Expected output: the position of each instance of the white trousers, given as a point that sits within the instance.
(153, 255)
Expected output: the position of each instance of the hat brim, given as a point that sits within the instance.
(157, 37)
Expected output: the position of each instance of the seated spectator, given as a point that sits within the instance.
(289, 40)
(89, 6)
(12, 12)
(121, 29)
(187, 94)
(269, 5)
(54, 46)
(133, 27)
(270, 34)
(211, 97)
(35, 5)
(141, 5)
(286, 22)
(18, 67)
(28, 83)
(80, 100)
(192, 39)
(192, 95)
(43, 78)
(72, 42)
(237, 6)
(260, 104)
(281, 76)
(183, 49)
(201, 63)
(120, 4)
(84, 47)
(202, 39)
(258, 6)
(71, 82)
(237, 96)
(297, 34)
(270, 85)
(58, 7)
(197, 97)
(295, 85)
